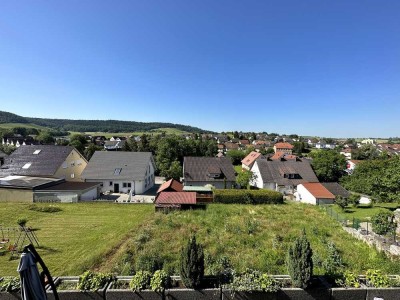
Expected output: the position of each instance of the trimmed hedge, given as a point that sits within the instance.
(247, 197)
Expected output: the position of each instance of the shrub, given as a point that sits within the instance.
(90, 281)
(354, 200)
(349, 279)
(192, 264)
(341, 202)
(376, 279)
(247, 196)
(382, 222)
(159, 281)
(333, 263)
(22, 222)
(10, 285)
(252, 280)
(47, 209)
(140, 281)
(149, 262)
(299, 262)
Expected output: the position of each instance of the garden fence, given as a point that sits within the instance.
(352, 222)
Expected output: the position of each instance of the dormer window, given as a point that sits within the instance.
(117, 171)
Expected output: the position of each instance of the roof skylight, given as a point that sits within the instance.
(26, 166)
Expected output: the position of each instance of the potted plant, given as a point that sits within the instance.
(349, 287)
(89, 285)
(9, 288)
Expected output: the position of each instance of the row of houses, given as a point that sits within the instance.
(48, 173)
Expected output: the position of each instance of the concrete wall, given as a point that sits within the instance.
(16, 195)
(72, 168)
(90, 195)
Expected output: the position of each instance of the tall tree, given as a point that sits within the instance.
(192, 264)
(245, 177)
(328, 165)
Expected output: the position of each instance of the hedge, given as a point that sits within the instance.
(247, 196)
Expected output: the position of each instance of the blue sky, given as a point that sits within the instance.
(324, 68)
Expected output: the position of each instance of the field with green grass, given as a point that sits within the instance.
(77, 238)
(25, 125)
(136, 133)
(251, 236)
(363, 212)
(119, 238)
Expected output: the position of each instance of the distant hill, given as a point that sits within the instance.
(94, 125)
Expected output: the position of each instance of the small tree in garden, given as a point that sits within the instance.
(383, 223)
(192, 263)
(341, 202)
(299, 262)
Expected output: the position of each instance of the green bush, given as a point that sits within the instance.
(90, 281)
(247, 196)
(159, 281)
(299, 262)
(140, 281)
(10, 285)
(22, 222)
(349, 279)
(252, 280)
(382, 222)
(47, 209)
(376, 279)
(192, 264)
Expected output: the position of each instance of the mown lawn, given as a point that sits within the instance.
(250, 236)
(365, 213)
(77, 238)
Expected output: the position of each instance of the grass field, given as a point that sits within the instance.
(99, 235)
(26, 125)
(78, 237)
(250, 236)
(363, 212)
(136, 133)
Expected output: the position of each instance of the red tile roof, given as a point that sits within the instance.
(171, 184)
(251, 158)
(283, 146)
(318, 190)
(176, 198)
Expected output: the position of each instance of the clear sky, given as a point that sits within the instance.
(324, 68)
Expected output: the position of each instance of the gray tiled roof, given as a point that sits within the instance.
(336, 189)
(45, 163)
(198, 168)
(2, 154)
(103, 164)
(273, 171)
(27, 182)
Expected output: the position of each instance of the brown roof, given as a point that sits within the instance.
(245, 142)
(198, 169)
(176, 198)
(251, 158)
(283, 156)
(318, 190)
(171, 184)
(283, 146)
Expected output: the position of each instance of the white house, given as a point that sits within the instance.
(121, 172)
(314, 193)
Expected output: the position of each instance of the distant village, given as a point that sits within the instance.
(61, 172)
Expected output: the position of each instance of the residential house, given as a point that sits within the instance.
(368, 142)
(283, 156)
(117, 138)
(346, 152)
(121, 172)
(283, 147)
(322, 144)
(282, 176)
(351, 165)
(41, 189)
(231, 146)
(248, 161)
(114, 145)
(214, 171)
(314, 193)
(336, 189)
(51, 161)
(18, 141)
(244, 142)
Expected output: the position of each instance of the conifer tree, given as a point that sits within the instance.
(299, 262)
(192, 264)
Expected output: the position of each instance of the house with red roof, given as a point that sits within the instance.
(314, 193)
(283, 147)
(175, 200)
(249, 160)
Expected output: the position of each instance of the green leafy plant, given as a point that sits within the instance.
(90, 281)
(252, 280)
(140, 281)
(376, 279)
(349, 279)
(382, 222)
(10, 284)
(159, 281)
(299, 262)
(22, 222)
(192, 264)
